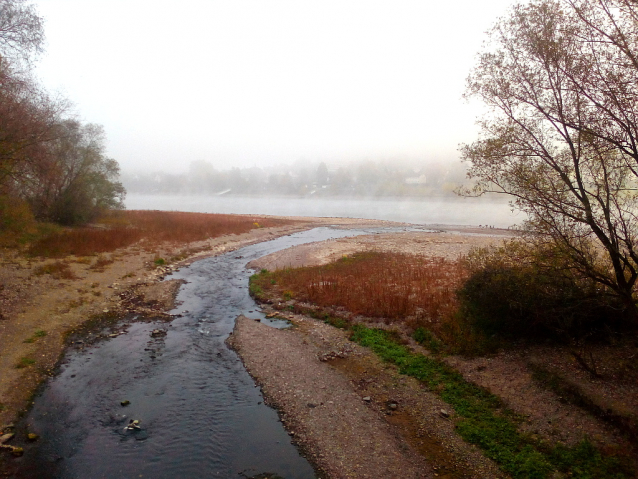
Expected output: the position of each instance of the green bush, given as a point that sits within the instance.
(524, 292)
(426, 338)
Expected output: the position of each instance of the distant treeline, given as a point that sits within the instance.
(366, 178)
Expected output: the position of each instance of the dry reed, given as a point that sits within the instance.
(417, 290)
(154, 227)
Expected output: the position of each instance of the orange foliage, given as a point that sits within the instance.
(392, 286)
(154, 227)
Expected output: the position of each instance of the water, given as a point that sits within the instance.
(200, 412)
(446, 211)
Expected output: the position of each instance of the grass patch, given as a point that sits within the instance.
(37, 335)
(484, 421)
(100, 263)
(148, 227)
(397, 287)
(425, 338)
(25, 362)
(57, 270)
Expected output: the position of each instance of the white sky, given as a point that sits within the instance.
(243, 83)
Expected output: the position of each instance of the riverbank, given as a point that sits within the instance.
(350, 413)
(557, 403)
(42, 301)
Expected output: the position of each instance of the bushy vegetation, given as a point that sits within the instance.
(559, 79)
(410, 289)
(150, 228)
(52, 167)
(527, 291)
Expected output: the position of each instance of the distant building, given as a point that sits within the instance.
(416, 180)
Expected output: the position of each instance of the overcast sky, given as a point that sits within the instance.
(243, 83)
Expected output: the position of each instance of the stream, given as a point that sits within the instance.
(201, 413)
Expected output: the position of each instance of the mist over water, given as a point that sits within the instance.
(444, 211)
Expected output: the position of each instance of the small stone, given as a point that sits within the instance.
(367, 399)
(5, 437)
(311, 405)
(17, 451)
(393, 406)
(444, 413)
(32, 437)
(126, 402)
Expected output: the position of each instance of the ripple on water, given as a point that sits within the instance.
(201, 412)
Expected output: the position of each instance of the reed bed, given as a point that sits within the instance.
(417, 290)
(150, 227)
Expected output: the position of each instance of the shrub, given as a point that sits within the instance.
(57, 270)
(523, 291)
(16, 220)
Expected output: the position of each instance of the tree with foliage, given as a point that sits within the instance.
(53, 163)
(75, 182)
(560, 80)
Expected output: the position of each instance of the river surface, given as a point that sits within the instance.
(430, 211)
(201, 413)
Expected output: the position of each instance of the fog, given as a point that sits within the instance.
(486, 212)
(258, 84)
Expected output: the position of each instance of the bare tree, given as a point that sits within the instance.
(560, 78)
(21, 31)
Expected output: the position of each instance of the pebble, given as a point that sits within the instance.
(367, 399)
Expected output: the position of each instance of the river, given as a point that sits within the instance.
(201, 413)
(431, 211)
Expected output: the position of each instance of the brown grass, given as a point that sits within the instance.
(57, 270)
(151, 227)
(392, 286)
(100, 263)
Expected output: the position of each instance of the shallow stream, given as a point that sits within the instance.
(201, 413)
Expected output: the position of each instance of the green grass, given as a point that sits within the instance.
(37, 335)
(484, 421)
(257, 282)
(25, 362)
(427, 339)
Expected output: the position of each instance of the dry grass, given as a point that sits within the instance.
(396, 287)
(57, 270)
(100, 263)
(149, 227)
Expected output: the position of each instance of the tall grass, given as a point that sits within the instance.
(153, 227)
(392, 286)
